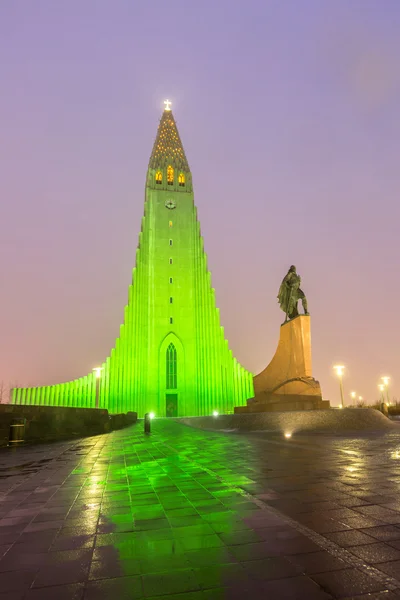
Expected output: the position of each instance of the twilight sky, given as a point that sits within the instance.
(289, 114)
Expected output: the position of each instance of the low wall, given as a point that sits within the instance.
(50, 423)
(305, 421)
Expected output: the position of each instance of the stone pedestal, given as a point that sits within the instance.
(287, 382)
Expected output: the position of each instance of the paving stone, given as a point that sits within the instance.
(61, 574)
(391, 568)
(270, 568)
(394, 544)
(317, 562)
(122, 588)
(384, 532)
(245, 536)
(347, 582)
(73, 542)
(11, 581)
(57, 592)
(294, 588)
(321, 524)
(350, 538)
(184, 580)
(222, 575)
(210, 556)
(361, 522)
(376, 553)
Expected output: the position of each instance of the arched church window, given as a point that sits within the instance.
(181, 179)
(170, 175)
(171, 365)
(159, 177)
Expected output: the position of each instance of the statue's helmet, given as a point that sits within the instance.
(292, 268)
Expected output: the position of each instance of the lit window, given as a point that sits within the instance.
(170, 223)
(159, 177)
(170, 300)
(181, 179)
(170, 242)
(170, 175)
(171, 320)
(170, 261)
(171, 383)
(170, 279)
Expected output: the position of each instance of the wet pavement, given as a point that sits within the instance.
(198, 515)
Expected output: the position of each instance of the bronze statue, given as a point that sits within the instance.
(290, 293)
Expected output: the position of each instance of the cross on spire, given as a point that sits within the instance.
(167, 104)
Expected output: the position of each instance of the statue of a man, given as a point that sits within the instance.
(290, 293)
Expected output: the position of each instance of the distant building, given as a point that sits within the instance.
(171, 356)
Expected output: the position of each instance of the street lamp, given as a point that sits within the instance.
(386, 385)
(360, 399)
(97, 371)
(381, 387)
(353, 396)
(339, 372)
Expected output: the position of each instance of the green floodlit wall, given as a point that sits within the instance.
(171, 301)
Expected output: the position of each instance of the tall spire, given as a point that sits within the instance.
(168, 149)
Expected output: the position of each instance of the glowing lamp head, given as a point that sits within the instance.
(152, 415)
(353, 394)
(288, 435)
(381, 387)
(385, 380)
(339, 370)
(360, 398)
(98, 371)
(340, 406)
(215, 413)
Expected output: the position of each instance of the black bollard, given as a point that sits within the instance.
(17, 432)
(147, 421)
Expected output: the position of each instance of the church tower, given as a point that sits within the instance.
(171, 356)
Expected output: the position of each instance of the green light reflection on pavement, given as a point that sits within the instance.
(164, 512)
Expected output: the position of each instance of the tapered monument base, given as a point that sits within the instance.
(287, 382)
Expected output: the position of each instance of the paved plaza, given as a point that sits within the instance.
(197, 515)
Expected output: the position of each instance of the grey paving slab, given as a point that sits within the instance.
(190, 514)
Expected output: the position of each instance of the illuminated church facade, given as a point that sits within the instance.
(171, 356)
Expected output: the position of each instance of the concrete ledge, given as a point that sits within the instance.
(265, 402)
(51, 423)
(306, 421)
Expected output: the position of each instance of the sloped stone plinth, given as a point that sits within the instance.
(287, 383)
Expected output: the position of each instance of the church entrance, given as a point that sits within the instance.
(171, 392)
(171, 405)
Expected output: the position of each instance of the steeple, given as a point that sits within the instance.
(168, 149)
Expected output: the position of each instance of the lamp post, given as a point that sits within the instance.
(381, 387)
(386, 385)
(360, 399)
(339, 372)
(98, 371)
(353, 396)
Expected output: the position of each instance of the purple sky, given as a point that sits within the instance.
(289, 114)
